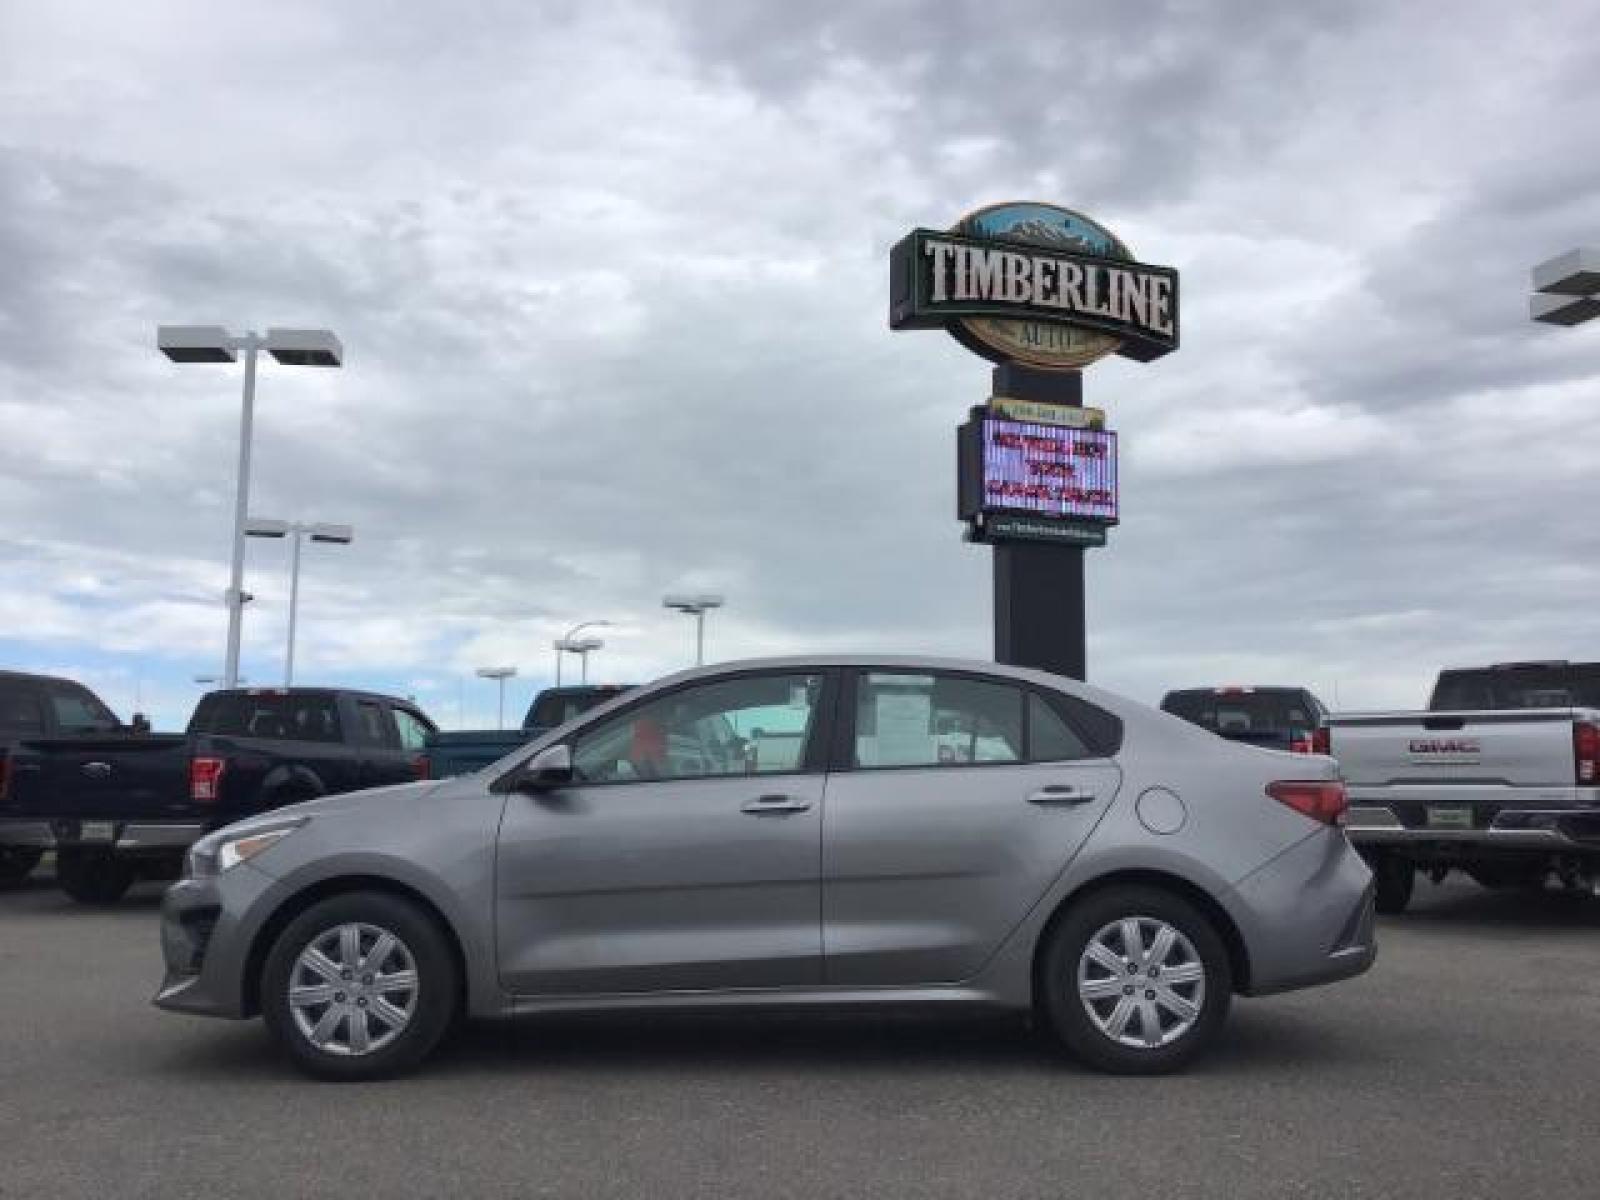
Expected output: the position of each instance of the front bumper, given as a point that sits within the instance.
(125, 837)
(207, 929)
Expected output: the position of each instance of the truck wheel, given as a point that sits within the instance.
(1395, 879)
(92, 878)
(360, 986)
(1135, 981)
(17, 861)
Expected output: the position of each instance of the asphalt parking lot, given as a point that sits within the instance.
(1464, 1065)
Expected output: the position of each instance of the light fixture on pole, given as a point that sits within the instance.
(499, 675)
(1567, 288)
(582, 647)
(335, 535)
(214, 344)
(697, 607)
(561, 643)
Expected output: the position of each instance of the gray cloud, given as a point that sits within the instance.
(611, 279)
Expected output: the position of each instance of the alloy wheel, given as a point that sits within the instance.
(353, 989)
(1142, 982)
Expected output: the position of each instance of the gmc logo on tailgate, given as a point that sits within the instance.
(1457, 746)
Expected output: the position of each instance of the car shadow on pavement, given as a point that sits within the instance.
(1468, 908)
(1255, 1042)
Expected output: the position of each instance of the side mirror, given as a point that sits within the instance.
(546, 771)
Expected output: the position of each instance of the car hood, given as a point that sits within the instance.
(344, 802)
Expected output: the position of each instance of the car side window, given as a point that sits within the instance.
(1050, 738)
(752, 725)
(20, 715)
(374, 729)
(931, 720)
(413, 733)
(77, 711)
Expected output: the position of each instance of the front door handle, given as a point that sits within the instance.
(762, 805)
(1060, 793)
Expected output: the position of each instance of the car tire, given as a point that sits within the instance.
(1112, 1024)
(344, 1024)
(92, 877)
(1394, 879)
(17, 861)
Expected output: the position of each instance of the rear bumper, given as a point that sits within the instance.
(1556, 831)
(1307, 916)
(129, 837)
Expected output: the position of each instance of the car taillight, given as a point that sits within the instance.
(1322, 740)
(1586, 752)
(1320, 799)
(421, 768)
(205, 778)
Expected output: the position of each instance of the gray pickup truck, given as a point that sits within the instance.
(1499, 778)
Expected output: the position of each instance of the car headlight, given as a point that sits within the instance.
(217, 852)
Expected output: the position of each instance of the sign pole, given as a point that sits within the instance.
(1038, 587)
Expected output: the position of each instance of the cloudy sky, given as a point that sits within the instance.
(612, 281)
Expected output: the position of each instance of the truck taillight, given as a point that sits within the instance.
(421, 767)
(1320, 799)
(205, 779)
(1322, 740)
(1586, 752)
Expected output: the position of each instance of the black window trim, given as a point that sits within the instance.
(813, 759)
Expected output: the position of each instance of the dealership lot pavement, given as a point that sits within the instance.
(1464, 1065)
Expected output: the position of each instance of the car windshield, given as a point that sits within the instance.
(1535, 686)
(1238, 713)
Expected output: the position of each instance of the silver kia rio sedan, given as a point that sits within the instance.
(792, 833)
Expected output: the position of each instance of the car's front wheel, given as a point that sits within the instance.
(359, 986)
(1136, 981)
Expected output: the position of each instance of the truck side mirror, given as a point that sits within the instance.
(546, 771)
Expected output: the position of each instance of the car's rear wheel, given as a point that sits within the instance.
(17, 861)
(359, 986)
(1136, 981)
(93, 876)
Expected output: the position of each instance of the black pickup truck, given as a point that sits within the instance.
(126, 805)
(45, 706)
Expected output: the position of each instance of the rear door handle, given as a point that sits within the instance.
(1060, 793)
(762, 805)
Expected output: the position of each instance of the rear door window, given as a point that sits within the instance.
(934, 720)
(301, 717)
(20, 714)
(78, 711)
(374, 729)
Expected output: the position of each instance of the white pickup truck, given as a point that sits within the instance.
(1499, 778)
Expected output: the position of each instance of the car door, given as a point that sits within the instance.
(955, 801)
(685, 854)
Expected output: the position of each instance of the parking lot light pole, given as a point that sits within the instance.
(214, 344)
(336, 535)
(499, 675)
(582, 647)
(1566, 289)
(697, 607)
(563, 643)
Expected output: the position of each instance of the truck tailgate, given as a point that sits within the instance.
(145, 777)
(1516, 748)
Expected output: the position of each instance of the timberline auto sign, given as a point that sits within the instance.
(1037, 284)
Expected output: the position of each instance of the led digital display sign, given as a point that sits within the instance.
(1050, 471)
